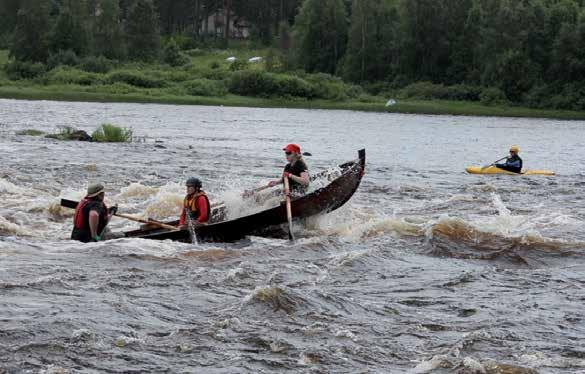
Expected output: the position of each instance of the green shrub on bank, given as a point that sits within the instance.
(288, 85)
(329, 87)
(239, 65)
(253, 83)
(98, 64)
(17, 70)
(205, 87)
(62, 58)
(493, 96)
(135, 79)
(431, 91)
(216, 74)
(108, 133)
(67, 75)
(173, 56)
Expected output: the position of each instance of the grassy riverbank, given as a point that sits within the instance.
(210, 80)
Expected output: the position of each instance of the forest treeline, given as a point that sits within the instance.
(529, 52)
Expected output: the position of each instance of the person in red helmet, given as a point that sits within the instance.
(296, 170)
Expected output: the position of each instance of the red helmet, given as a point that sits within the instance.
(292, 148)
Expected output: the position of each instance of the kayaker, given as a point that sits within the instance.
(296, 170)
(513, 162)
(91, 215)
(196, 204)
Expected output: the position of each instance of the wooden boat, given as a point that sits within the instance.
(321, 201)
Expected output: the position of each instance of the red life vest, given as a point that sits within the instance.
(81, 219)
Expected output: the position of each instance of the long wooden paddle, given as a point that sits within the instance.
(73, 204)
(291, 235)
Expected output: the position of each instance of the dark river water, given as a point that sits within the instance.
(426, 270)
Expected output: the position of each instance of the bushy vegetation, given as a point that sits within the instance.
(67, 75)
(496, 53)
(108, 133)
(205, 87)
(135, 78)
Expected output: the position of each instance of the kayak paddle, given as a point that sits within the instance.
(495, 162)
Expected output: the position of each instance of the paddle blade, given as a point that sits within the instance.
(69, 203)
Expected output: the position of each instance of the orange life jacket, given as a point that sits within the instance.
(190, 205)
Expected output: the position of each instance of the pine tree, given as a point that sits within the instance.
(31, 36)
(321, 35)
(70, 32)
(107, 30)
(143, 32)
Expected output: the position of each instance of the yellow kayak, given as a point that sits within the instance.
(495, 170)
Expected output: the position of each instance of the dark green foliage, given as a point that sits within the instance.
(531, 51)
(262, 84)
(69, 33)
(431, 91)
(143, 33)
(98, 64)
(206, 87)
(66, 58)
(33, 26)
(108, 39)
(321, 35)
(493, 96)
(17, 70)
(68, 75)
(173, 56)
(294, 87)
(239, 65)
(253, 83)
(134, 78)
(329, 87)
(108, 133)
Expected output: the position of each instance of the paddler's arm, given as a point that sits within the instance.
(183, 219)
(94, 222)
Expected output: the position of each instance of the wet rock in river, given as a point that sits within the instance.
(76, 135)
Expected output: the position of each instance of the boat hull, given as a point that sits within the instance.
(493, 170)
(321, 201)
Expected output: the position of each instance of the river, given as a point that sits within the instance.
(426, 270)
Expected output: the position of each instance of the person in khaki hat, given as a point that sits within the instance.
(91, 215)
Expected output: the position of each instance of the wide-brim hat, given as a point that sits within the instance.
(95, 189)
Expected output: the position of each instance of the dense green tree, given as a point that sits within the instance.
(8, 12)
(321, 35)
(70, 32)
(143, 31)
(108, 38)
(372, 51)
(32, 29)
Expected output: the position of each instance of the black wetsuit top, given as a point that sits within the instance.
(513, 164)
(81, 230)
